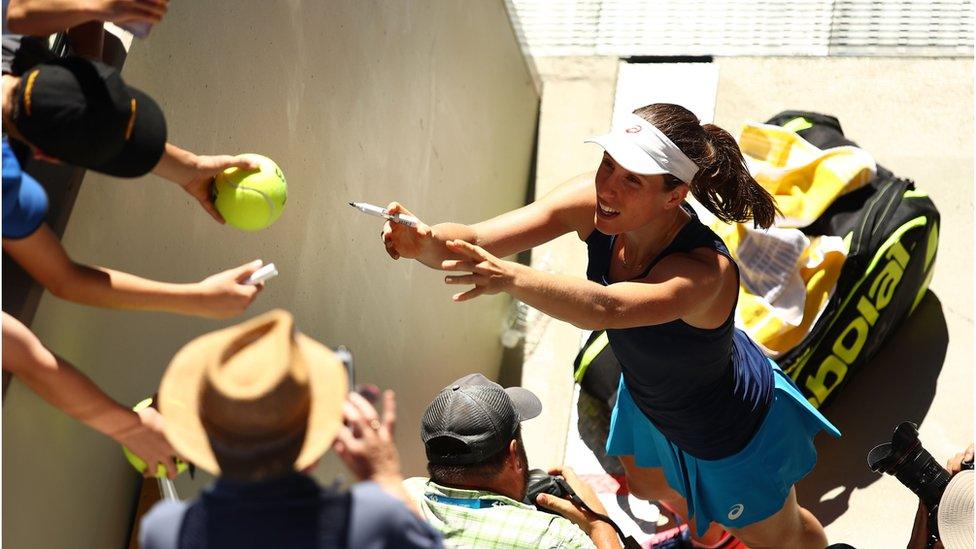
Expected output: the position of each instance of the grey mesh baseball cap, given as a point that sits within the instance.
(473, 419)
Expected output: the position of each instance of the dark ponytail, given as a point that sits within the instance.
(722, 184)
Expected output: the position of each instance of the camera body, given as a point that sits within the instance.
(541, 482)
(906, 459)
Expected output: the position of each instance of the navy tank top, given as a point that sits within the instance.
(706, 390)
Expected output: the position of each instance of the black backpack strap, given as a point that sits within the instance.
(813, 118)
(867, 238)
(821, 130)
(595, 344)
(597, 370)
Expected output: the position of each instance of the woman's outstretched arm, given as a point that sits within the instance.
(568, 208)
(679, 286)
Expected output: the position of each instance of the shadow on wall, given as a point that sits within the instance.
(897, 385)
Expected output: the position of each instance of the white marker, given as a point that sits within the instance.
(262, 275)
(403, 219)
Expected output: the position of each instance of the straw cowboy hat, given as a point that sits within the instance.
(252, 390)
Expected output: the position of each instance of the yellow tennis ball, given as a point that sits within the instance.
(138, 462)
(251, 199)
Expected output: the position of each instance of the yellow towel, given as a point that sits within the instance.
(819, 267)
(786, 277)
(803, 179)
(779, 319)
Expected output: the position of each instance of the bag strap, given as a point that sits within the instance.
(596, 343)
(628, 541)
(821, 130)
(812, 119)
(866, 237)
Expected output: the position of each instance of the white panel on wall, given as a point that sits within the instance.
(694, 86)
(909, 28)
(626, 28)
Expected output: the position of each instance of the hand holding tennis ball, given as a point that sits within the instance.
(251, 200)
(145, 442)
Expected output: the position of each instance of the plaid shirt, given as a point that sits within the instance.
(474, 518)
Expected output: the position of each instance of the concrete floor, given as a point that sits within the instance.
(916, 117)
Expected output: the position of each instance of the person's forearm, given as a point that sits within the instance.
(61, 384)
(44, 258)
(102, 287)
(44, 17)
(69, 390)
(582, 303)
(604, 536)
(434, 252)
(176, 165)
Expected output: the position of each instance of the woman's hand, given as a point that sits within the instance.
(401, 240)
(489, 275)
(225, 295)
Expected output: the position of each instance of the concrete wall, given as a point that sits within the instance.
(429, 103)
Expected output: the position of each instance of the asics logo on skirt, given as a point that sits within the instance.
(736, 511)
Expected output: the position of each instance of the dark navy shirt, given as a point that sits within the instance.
(289, 511)
(707, 390)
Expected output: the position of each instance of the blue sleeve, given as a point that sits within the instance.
(160, 527)
(24, 200)
(378, 520)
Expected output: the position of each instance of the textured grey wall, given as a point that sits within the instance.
(429, 103)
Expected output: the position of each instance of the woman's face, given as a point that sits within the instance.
(627, 201)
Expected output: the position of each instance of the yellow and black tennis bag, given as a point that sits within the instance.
(893, 232)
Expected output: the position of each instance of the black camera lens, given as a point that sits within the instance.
(906, 459)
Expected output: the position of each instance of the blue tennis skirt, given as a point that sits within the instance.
(738, 490)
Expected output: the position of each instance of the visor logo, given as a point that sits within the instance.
(633, 129)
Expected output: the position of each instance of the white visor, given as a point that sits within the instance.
(643, 149)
